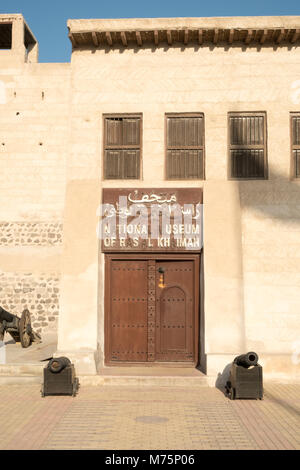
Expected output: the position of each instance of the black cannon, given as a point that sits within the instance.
(19, 328)
(245, 380)
(247, 360)
(59, 378)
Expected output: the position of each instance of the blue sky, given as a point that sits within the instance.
(47, 18)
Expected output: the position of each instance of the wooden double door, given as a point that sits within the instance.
(152, 309)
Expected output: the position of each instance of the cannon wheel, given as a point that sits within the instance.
(25, 329)
(232, 394)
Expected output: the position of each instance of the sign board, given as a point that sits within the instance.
(151, 219)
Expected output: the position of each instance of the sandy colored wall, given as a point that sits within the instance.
(251, 278)
(51, 180)
(34, 124)
(271, 261)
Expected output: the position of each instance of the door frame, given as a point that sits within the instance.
(108, 258)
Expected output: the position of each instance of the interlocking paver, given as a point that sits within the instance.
(145, 417)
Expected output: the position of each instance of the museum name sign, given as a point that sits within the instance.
(148, 219)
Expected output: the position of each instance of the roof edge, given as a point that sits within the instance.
(254, 22)
(142, 31)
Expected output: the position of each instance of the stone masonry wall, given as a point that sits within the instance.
(27, 233)
(39, 294)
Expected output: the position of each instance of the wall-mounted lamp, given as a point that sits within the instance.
(161, 283)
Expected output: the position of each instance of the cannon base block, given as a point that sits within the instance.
(245, 383)
(60, 383)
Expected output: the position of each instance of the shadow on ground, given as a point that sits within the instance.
(37, 352)
(223, 378)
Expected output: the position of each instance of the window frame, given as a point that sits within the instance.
(293, 147)
(236, 147)
(184, 115)
(106, 116)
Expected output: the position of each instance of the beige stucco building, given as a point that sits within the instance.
(238, 80)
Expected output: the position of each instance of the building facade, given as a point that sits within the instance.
(202, 112)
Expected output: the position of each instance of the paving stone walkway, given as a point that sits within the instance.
(145, 417)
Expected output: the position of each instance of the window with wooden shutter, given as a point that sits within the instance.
(247, 139)
(122, 146)
(185, 146)
(295, 138)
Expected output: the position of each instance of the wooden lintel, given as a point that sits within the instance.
(276, 35)
(264, 36)
(138, 38)
(108, 38)
(280, 36)
(95, 39)
(216, 35)
(295, 36)
(169, 37)
(186, 36)
(231, 35)
(200, 36)
(72, 39)
(124, 39)
(249, 36)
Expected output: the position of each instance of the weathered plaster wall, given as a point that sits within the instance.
(244, 301)
(34, 124)
(271, 267)
(51, 179)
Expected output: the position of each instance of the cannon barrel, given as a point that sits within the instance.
(246, 360)
(57, 364)
(6, 316)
